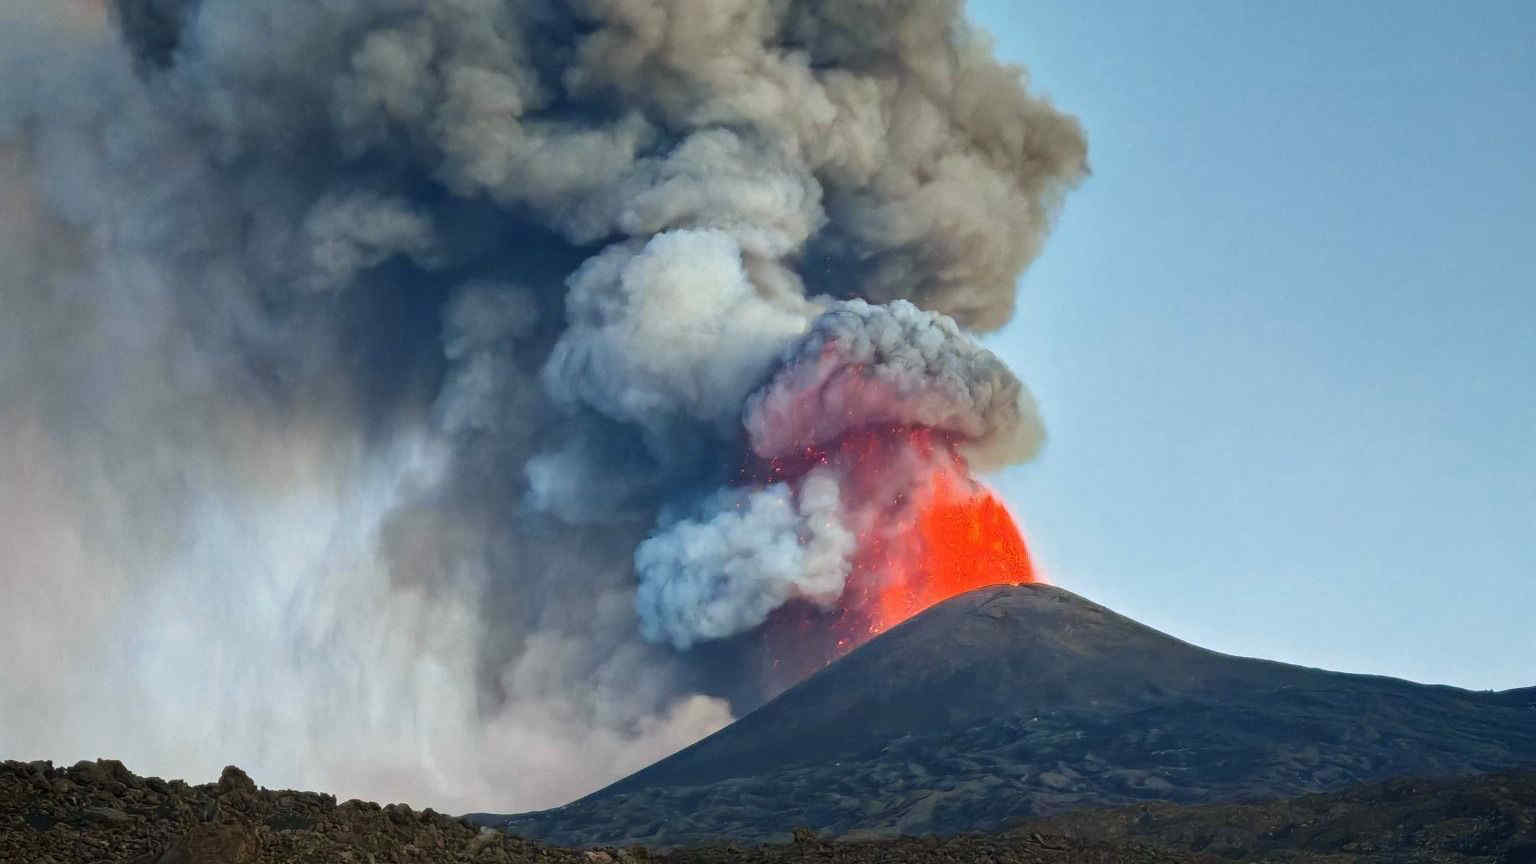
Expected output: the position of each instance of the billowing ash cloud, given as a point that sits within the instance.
(863, 365)
(669, 337)
(365, 365)
(744, 554)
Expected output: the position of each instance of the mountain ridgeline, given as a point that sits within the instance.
(1015, 703)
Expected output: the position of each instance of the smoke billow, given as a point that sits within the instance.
(747, 553)
(391, 390)
(863, 365)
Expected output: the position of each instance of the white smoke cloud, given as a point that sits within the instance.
(743, 554)
(669, 333)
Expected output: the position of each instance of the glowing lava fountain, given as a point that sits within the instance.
(927, 531)
(965, 539)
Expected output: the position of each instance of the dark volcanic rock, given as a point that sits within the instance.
(1480, 820)
(1486, 818)
(100, 812)
(233, 822)
(1016, 702)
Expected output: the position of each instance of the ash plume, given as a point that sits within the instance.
(895, 364)
(376, 376)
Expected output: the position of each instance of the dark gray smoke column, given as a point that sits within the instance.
(359, 359)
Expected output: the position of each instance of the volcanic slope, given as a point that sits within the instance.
(1017, 702)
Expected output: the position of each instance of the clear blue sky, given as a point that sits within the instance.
(1285, 337)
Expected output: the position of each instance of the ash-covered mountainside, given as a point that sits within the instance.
(1017, 702)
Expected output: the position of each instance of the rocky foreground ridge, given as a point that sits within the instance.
(102, 812)
(99, 812)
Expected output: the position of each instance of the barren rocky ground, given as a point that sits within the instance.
(1490, 818)
(101, 812)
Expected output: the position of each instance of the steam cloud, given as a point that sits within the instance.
(366, 365)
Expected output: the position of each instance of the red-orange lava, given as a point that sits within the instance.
(926, 529)
(963, 538)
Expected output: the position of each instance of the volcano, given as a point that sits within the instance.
(1016, 702)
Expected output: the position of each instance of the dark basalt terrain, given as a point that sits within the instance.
(101, 812)
(1012, 703)
(1485, 818)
